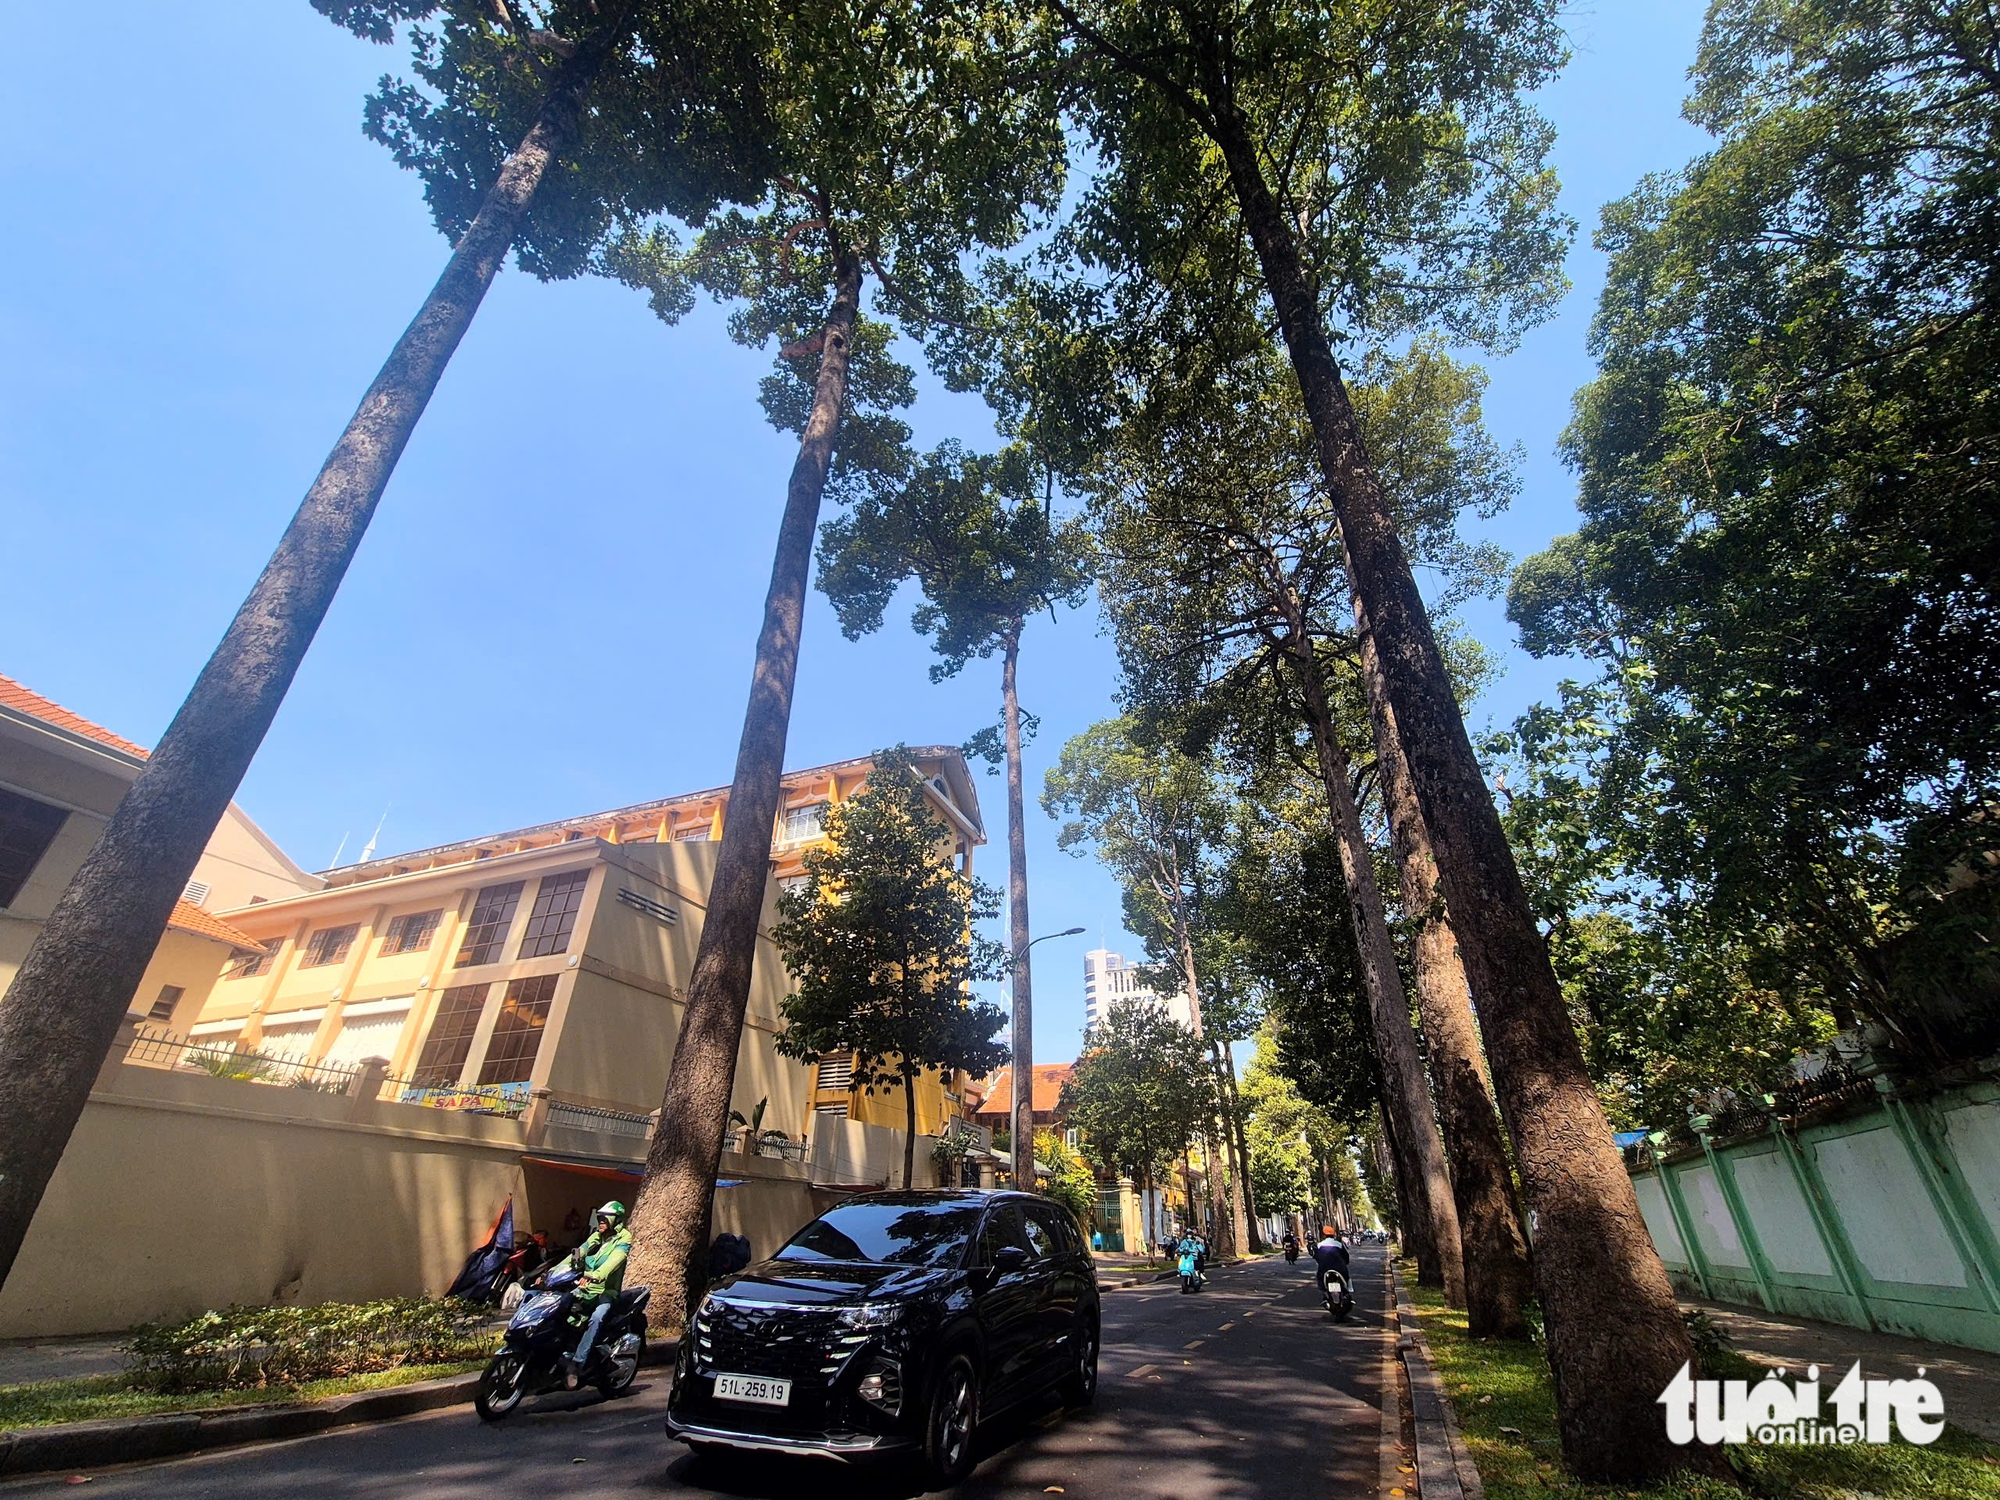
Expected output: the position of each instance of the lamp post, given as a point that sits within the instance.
(1021, 1042)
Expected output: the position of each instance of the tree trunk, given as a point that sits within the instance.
(64, 1007)
(910, 1132)
(1404, 1090)
(1021, 1034)
(1242, 1227)
(1411, 1228)
(1249, 1204)
(1498, 1277)
(1616, 1337)
(687, 1142)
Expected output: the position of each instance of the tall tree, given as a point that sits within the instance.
(1139, 1093)
(66, 1001)
(1212, 492)
(1791, 539)
(903, 147)
(1387, 172)
(979, 536)
(882, 950)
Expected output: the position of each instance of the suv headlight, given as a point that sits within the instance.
(873, 1315)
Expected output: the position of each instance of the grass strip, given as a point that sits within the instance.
(1506, 1409)
(91, 1398)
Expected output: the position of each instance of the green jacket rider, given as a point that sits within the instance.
(602, 1259)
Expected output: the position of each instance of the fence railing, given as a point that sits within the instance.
(164, 1049)
(778, 1148)
(603, 1121)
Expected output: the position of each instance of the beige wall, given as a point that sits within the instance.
(242, 865)
(184, 959)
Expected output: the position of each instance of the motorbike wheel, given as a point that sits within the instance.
(502, 1384)
(622, 1369)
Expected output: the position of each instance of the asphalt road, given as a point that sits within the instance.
(1245, 1390)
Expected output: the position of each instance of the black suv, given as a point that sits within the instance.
(894, 1322)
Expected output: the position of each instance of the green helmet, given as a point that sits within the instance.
(614, 1211)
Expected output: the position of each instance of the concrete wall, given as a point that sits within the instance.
(853, 1153)
(1887, 1218)
(180, 1192)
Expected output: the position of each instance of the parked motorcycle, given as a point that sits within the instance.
(544, 1329)
(1337, 1293)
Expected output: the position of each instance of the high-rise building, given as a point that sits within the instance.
(1107, 978)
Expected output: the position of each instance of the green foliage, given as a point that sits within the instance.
(1289, 1139)
(1141, 1089)
(264, 1346)
(880, 942)
(95, 1398)
(1787, 561)
(1073, 1185)
(676, 123)
(1502, 1393)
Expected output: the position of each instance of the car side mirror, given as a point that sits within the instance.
(1010, 1258)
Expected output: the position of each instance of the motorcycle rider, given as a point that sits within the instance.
(1330, 1254)
(1192, 1248)
(1290, 1245)
(602, 1259)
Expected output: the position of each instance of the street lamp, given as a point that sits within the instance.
(1021, 1042)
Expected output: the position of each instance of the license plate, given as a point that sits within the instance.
(754, 1389)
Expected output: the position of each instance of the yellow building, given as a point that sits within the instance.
(61, 777)
(536, 962)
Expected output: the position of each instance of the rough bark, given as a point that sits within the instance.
(1404, 1090)
(910, 1127)
(1247, 1204)
(673, 1200)
(1413, 1228)
(1021, 1030)
(1615, 1333)
(65, 1004)
(1498, 1277)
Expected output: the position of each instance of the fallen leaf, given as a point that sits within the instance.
(1404, 1469)
(1055, 1489)
(576, 1460)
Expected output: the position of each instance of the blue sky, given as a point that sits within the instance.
(555, 609)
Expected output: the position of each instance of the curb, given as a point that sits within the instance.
(1445, 1471)
(124, 1440)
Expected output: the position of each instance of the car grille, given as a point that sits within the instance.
(787, 1341)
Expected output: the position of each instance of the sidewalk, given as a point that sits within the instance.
(1968, 1378)
(23, 1360)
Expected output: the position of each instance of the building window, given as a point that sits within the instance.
(517, 1035)
(246, 962)
(832, 1111)
(412, 933)
(328, 946)
(27, 828)
(692, 833)
(486, 933)
(792, 884)
(450, 1041)
(836, 1071)
(803, 823)
(554, 914)
(163, 1008)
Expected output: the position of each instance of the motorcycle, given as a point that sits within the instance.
(543, 1329)
(1337, 1293)
(1190, 1268)
(1291, 1253)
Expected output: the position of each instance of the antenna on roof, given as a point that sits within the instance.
(334, 863)
(368, 849)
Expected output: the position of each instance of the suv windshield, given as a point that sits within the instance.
(902, 1234)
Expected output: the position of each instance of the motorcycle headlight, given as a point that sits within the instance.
(873, 1315)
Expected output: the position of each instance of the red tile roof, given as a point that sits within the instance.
(1049, 1081)
(191, 918)
(27, 701)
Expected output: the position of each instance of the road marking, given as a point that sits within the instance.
(1195, 1345)
(1253, 1312)
(1142, 1370)
(1229, 1325)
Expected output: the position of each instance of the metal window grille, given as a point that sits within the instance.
(655, 909)
(27, 828)
(163, 1008)
(492, 914)
(517, 1035)
(450, 1039)
(413, 932)
(554, 915)
(603, 1121)
(328, 946)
